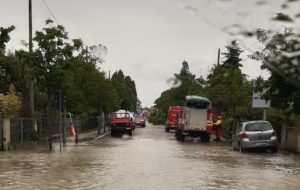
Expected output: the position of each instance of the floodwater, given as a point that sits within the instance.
(151, 159)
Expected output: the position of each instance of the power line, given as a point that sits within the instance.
(50, 11)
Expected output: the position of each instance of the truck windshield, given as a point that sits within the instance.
(198, 104)
(121, 115)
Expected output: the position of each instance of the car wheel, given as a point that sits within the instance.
(112, 133)
(130, 133)
(274, 149)
(167, 129)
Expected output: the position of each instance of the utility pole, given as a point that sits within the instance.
(31, 90)
(30, 26)
(87, 54)
(265, 114)
(60, 124)
(64, 126)
(218, 56)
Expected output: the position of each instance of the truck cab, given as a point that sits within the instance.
(195, 119)
(121, 122)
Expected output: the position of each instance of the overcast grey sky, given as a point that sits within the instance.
(149, 39)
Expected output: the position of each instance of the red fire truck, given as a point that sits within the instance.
(121, 122)
(172, 118)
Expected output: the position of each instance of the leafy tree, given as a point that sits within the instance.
(281, 57)
(229, 91)
(54, 50)
(189, 85)
(60, 63)
(4, 38)
(228, 88)
(10, 104)
(126, 90)
(232, 56)
(14, 69)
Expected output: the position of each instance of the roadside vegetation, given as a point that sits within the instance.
(230, 91)
(60, 64)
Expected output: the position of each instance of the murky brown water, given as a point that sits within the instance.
(151, 159)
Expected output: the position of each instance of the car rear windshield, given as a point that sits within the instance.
(258, 127)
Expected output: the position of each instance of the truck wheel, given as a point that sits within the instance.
(182, 137)
(130, 133)
(207, 138)
(112, 133)
(177, 135)
(167, 129)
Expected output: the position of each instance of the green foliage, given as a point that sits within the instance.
(126, 90)
(281, 57)
(189, 85)
(232, 56)
(283, 17)
(228, 88)
(10, 104)
(4, 38)
(157, 117)
(59, 63)
(34, 136)
(227, 127)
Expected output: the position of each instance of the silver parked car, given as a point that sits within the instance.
(254, 135)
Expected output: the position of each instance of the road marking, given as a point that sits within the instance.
(102, 135)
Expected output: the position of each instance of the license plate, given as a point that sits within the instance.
(260, 143)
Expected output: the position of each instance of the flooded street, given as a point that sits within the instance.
(150, 159)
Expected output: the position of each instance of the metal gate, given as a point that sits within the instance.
(291, 138)
(1, 134)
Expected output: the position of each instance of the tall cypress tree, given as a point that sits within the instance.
(233, 55)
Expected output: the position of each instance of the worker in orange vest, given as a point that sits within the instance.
(217, 126)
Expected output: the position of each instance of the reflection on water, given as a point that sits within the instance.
(151, 159)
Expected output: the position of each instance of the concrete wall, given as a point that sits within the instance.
(6, 134)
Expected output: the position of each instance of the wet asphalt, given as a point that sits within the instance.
(150, 159)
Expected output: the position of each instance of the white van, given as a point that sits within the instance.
(196, 119)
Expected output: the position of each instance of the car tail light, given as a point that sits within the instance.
(244, 136)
